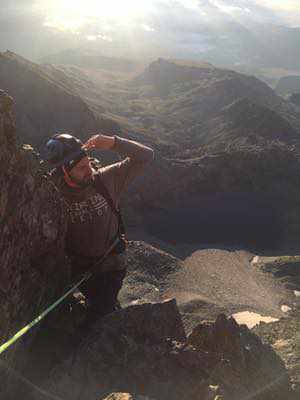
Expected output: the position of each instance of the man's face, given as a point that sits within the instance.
(82, 172)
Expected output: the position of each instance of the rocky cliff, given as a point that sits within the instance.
(33, 266)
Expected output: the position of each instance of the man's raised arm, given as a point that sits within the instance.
(120, 174)
(137, 152)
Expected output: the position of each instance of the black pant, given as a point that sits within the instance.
(102, 290)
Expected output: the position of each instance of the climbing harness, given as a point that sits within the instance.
(39, 318)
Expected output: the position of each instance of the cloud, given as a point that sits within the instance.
(195, 25)
(22, 30)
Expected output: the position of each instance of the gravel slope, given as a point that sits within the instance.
(210, 280)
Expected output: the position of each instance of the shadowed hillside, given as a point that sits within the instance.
(44, 103)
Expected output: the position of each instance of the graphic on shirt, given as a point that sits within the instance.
(86, 210)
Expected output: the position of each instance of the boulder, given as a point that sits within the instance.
(143, 349)
(253, 368)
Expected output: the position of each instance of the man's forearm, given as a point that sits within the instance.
(136, 151)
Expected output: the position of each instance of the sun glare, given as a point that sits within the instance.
(73, 14)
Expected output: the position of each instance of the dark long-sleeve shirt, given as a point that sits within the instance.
(92, 224)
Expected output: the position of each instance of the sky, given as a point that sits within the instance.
(35, 28)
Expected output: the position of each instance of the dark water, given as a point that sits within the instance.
(239, 219)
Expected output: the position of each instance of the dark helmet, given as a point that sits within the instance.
(64, 150)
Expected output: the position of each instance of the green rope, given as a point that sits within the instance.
(27, 328)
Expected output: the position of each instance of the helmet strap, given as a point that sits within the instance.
(69, 180)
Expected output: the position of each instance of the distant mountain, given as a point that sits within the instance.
(165, 73)
(45, 102)
(246, 123)
(250, 43)
(91, 59)
(232, 43)
(195, 106)
(281, 44)
(230, 150)
(288, 85)
(178, 104)
(295, 98)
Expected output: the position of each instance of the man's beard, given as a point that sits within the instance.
(86, 181)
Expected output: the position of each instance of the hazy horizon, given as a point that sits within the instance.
(139, 29)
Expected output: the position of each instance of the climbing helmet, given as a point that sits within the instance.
(64, 150)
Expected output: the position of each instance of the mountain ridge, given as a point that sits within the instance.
(45, 105)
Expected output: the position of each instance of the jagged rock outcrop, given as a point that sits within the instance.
(243, 352)
(32, 225)
(143, 350)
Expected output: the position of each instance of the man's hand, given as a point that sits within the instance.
(99, 142)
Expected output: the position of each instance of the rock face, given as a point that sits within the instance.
(143, 350)
(261, 369)
(31, 231)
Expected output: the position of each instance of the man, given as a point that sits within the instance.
(94, 222)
